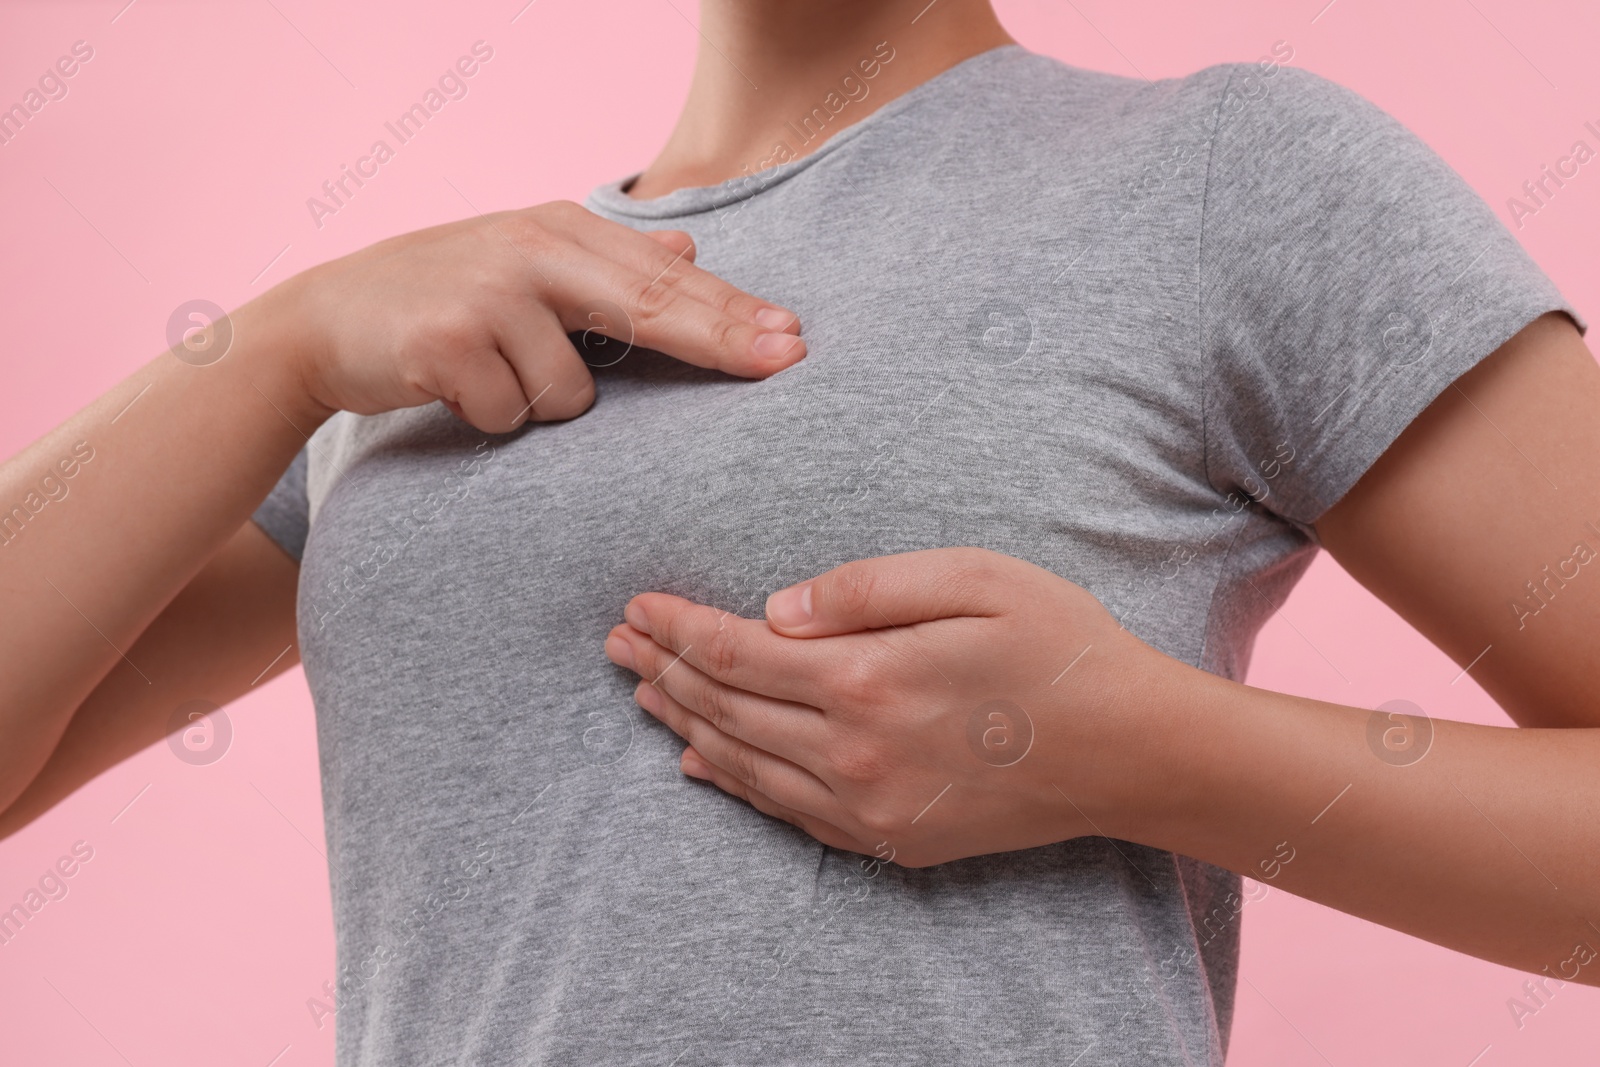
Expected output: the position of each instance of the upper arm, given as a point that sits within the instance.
(230, 628)
(1480, 525)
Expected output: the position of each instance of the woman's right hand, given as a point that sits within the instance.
(155, 545)
(476, 313)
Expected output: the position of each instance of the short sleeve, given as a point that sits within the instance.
(1347, 276)
(286, 513)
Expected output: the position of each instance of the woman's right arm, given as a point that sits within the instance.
(145, 586)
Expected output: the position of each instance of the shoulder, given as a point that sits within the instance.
(1283, 116)
(1273, 82)
(1286, 144)
(1253, 107)
(1266, 90)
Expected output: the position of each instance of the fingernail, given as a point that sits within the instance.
(775, 345)
(648, 698)
(635, 616)
(694, 766)
(619, 652)
(790, 607)
(775, 318)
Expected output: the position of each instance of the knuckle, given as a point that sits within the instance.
(519, 232)
(857, 682)
(852, 590)
(420, 375)
(861, 763)
(713, 704)
(726, 335)
(742, 765)
(648, 299)
(737, 304)
(880, 824)
(563, 210)
(720, 652)
(536, 241)
(452, 332)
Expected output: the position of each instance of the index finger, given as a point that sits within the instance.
(684, 274)
(596, 268)
(668, 257)
(743, 653)
(658, 315)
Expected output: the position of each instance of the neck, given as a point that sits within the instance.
(776, 78)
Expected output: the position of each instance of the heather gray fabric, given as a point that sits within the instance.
(1140, 334)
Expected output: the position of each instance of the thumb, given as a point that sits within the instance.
(938, 583)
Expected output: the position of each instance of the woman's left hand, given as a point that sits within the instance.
(920, 708)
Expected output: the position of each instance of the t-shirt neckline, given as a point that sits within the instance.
(691, 200)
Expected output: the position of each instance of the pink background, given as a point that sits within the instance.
(178, 166)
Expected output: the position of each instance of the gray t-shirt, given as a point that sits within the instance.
(1140, 334)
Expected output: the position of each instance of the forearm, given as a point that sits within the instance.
(172, 460)
(1488, 844)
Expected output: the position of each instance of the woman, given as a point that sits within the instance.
(1090, 369)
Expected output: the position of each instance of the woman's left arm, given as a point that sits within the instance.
(957, 702)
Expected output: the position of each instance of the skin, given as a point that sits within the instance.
(850, 719)
(151, 589)
(159, 590)
(769, 62)
(829, 724)
(851, 724)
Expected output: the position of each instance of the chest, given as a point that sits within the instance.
(972, 378)
(1030, 433)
